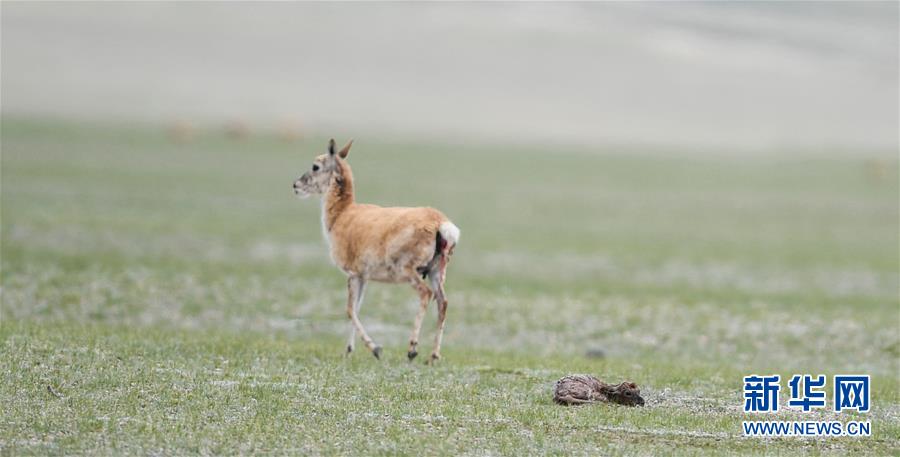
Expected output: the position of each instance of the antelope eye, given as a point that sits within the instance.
(315, 168)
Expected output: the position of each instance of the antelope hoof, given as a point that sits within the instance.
(411, 355)
(433, 359)
(349, 349)
(376, 351)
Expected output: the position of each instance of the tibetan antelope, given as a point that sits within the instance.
(372, 243)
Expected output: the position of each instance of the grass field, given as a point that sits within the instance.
(162, 298)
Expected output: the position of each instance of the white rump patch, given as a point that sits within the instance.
(450, 232)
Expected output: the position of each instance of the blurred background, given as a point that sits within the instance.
(698, 181)
(720, 77)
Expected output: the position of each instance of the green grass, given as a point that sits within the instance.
(176, 298)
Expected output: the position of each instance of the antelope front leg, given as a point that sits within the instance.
(425, 295)
(359, 294)
(355, 286)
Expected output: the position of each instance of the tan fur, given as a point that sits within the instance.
(370, 242)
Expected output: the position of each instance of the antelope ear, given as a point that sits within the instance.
(346, 150)
(331, 147)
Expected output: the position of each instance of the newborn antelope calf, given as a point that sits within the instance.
(369, 242)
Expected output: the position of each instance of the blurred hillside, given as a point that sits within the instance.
(745, 76)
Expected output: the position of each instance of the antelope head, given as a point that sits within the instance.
(318, 178)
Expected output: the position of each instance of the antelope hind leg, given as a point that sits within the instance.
(425, 295)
